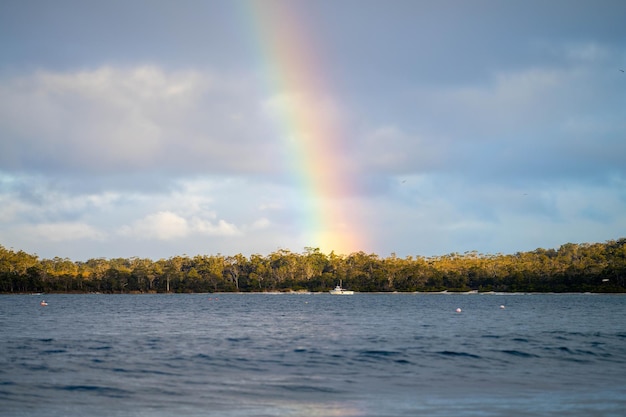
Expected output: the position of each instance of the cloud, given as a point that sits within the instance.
(531, 124)
(202, 215)
(433, 214)
(262, 223)
(63, 232)
(131, 120)
(389, 150)
(32, 198)
(143, 126)
(119, 161)
(166, 225)
(163, 225)
(221, 228)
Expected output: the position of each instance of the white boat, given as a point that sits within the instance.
(340, 291)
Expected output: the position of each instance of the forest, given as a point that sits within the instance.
(586, 267)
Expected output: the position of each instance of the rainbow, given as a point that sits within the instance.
(309, 125)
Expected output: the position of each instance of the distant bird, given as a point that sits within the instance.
(621, 70)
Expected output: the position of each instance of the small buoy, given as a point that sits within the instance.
(502, 307)
(43, 303)
(458, 310)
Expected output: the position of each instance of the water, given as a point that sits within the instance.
(313, 355)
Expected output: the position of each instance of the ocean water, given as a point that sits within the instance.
(313, 355)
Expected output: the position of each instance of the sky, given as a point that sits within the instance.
(158, 128)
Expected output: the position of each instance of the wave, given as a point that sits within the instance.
(520, 339)
(459, 354)
(96, 389)
(378, 355)
(306, 388)
(53, 351)
(519, 353)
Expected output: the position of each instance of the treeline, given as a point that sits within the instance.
(597, 267)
